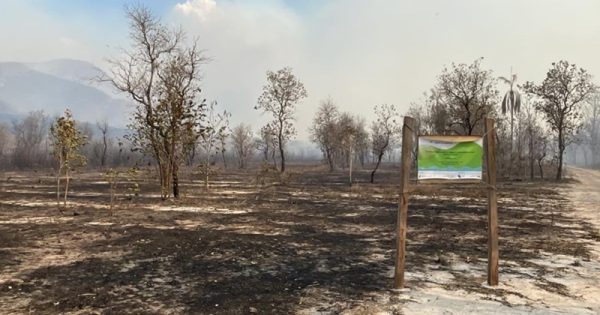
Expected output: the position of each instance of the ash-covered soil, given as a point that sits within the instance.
(308, 245)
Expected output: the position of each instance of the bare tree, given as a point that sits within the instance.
(162, 76)
(267, 143)
(541, 150)
(468, 94)
(383, 131)
(29, 135)
(215, 125)
(345, 131)
(279, 98)
(591, 129)
(242, 143)
(349, 131)
(103, 127)
(361, 140)
(67, 141)
(324, 131)
(4, 139)
(431, 115)
(421, 114)
(223, 136)
(561, 97)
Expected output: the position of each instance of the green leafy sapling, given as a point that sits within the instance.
(67, 141)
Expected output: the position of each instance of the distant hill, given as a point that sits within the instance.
(74, 70)
(56, 85)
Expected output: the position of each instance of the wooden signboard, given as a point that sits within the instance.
(450, 158)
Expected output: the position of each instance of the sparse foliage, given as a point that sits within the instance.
(279, 98)
(340, 136)
(383, 131)
(29, 135)
(162, 76)
(67, 141)
(267, 143)
(468, 94)
(241, 137)
(117, 180)
(103, 127)
(215, 125)
(349, 130)
(223, 136)
(4, 139)
(324, 130)
(560, 98)
(591, 129)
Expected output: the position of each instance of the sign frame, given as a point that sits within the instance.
(489, 146)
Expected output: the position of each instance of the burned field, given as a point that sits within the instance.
(306, 245)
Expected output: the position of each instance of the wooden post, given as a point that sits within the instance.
(407, 144)
(490, 153)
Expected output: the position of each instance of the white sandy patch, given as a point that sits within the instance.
(51, 203)
(441, 197)
(37, 220)
(94, 223)
(253, 230)
(521, 290)
(199, 209)
(235, 192)
(440, 301)
(357, 229)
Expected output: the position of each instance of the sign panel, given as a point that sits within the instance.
(450, 157)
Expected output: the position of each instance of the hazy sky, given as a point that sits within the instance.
(360, 53)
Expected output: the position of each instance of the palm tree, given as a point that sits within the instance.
(511, 103)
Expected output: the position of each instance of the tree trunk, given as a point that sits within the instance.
(224, 161)
(531, 157)
(66, 186)
(191, 156)
(162, 178)
(379, 157)
(329, 159)
(164, 181)
(561, 150)
(273, 158)
(351, 157)
(113, 187)
(58, 186)
(362, 159)
(560, 166)
(512, 140)
(206, 170)
(281, 151)
(175, 180)
(541, 169)
(103, 159)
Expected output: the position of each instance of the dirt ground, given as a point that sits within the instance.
(310, 245)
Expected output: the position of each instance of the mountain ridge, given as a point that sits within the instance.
(58, 84)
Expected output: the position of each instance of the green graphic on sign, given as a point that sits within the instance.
(450, 157)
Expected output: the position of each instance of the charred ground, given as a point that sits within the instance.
(307, 244)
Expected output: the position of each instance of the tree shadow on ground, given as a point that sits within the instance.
(204, 271)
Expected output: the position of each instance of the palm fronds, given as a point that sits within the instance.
(512, 99)
(511, 102)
